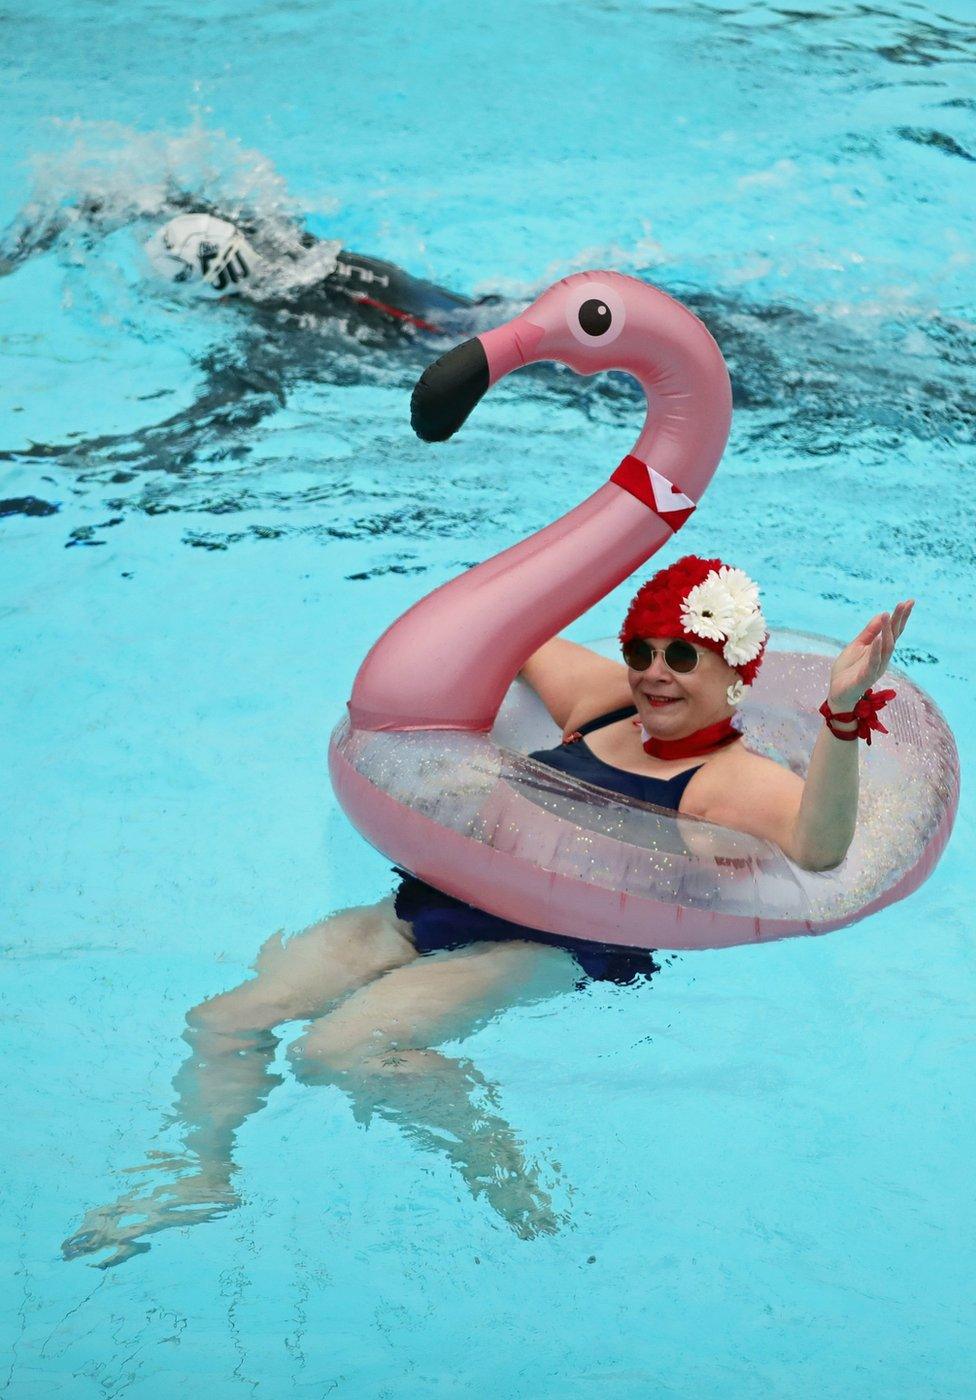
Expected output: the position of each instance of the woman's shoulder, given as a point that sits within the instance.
(574, 683)
(606, 717)
(737, 781)
(608, 701)
(740, 762)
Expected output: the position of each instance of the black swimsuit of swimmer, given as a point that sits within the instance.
(388, 290)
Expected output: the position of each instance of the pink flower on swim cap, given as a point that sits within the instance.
(709, 603)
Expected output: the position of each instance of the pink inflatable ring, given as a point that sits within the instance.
(430, 762)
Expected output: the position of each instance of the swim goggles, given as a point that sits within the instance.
(679, 656)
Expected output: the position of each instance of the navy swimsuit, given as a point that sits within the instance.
(439, 921)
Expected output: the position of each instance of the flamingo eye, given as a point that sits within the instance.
(595, 317)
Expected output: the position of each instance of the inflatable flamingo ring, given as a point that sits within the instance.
(430, 762)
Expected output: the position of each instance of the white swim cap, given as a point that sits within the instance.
(207, 253)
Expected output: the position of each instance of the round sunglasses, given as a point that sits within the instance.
(679, 656)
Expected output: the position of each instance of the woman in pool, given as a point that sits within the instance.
(659, 728)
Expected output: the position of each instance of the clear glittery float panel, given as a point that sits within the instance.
(484, 788)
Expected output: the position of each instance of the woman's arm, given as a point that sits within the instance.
(570, 679)
(813, 821)
(824, 826)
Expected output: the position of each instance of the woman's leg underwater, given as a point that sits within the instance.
(299, 979)
(230, 1075)
(377, 1046)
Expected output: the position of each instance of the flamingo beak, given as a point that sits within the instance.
(448, 390)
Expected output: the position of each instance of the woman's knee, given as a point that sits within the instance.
(326, 1050)
(246, 1008)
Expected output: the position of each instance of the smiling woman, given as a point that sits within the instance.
(693, 641)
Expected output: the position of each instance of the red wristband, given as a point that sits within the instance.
(865, 712)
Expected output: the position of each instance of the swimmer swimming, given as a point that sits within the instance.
(309, 312)
(212, 255)
(272, 260)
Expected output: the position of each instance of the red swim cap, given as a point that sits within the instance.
(707, 602)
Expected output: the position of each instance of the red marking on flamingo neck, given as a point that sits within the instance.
(649, 486)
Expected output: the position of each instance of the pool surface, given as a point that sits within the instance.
(748, 1176)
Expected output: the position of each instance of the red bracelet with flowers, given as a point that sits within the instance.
(865, 713)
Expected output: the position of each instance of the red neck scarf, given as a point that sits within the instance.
(707, 740)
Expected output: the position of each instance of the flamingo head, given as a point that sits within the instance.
(590, 321)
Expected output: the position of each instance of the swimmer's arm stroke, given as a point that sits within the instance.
(574, 682)
(813, 821)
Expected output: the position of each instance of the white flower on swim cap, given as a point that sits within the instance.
(709, 610)
(743, 592)
(745, 639)
(735, 693)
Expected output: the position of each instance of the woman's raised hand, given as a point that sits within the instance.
(866, 659)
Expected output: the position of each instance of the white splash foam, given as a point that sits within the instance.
(98, 177)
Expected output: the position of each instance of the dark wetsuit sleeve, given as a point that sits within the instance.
(388, 288)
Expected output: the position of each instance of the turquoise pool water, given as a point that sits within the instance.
(748, 1177)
